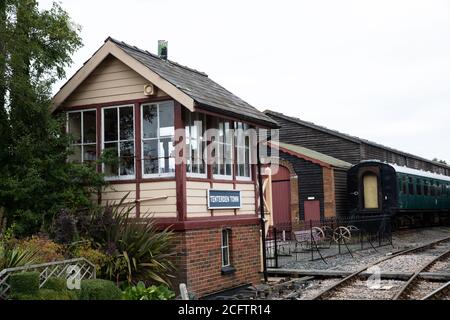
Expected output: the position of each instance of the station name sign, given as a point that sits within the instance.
(224, 199)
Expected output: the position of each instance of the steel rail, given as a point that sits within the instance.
(404, 291)
(439, 293)
(352, 277)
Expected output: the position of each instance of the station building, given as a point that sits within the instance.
(130, 103)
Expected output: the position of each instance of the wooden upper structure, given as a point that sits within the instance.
(346, 147)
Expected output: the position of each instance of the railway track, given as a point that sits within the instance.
(349, 280)
(406, 291)
(440, 293)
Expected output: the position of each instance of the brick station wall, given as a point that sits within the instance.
(199, 259)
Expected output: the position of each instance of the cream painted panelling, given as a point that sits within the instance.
(112, 81)
(159, 199)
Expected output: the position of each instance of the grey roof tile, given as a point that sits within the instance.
(207, 93)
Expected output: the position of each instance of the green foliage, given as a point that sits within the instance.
(85, 250)
(54, 283)
(11, 257)
(439, 161)
(47, 294)
(140, 292)
(53, 289)
(98, 289)
(137, 249)
(24, 283)
(46, 249)
(36, 181)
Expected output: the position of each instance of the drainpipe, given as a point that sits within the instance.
(261, 209)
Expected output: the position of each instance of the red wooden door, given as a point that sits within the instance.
(312, 210)
(281, 195)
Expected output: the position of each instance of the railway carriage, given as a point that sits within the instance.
(410, 196)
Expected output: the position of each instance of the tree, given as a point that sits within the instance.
(36, 181)
(439, 161)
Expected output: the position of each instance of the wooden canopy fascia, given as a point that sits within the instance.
(110, 48)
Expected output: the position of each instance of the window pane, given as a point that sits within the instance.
(126, 158)
(165, 152)
(126, 123)
(225, 261)
(224, 238)
(76, 155)
(111, 169)
(110, 124)
(75, 126)
(89, 153)
(150, 156)
(149, 121)
(166, 121)
(89, 127)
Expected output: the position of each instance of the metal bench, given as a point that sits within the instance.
(304, 238)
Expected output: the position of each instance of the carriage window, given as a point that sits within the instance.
(419, 187)
(404, 185)
(438, 189)
(370, 182)
(410, 186)
(426, 189)
(433, 189)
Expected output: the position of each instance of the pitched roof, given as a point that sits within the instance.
(192, 87)
(310, 155)
(349, 137)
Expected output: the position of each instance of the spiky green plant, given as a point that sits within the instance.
(137, 249)
(15, 257)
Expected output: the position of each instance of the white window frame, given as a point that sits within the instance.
(82, 144)
(158, 137)
(237, 146)
(225, 246)
(218, 155)
(200, 141)
(119, 177)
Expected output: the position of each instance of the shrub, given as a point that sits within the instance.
(24, 283)
(57, 284)
(65, 227)
(46, 249)
(47, 294)
(99, 289)
(85, 250)
(15, 257)
(140, 292)
(137, 249)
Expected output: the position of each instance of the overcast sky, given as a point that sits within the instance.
(379, 70)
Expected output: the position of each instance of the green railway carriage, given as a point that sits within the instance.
(422, 192)
(407, 194)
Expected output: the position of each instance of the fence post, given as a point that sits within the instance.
(338, 224)
(361, 238)
(311, 240)
(276, 247)
(379, 238)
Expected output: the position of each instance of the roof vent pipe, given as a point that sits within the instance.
(162, 49)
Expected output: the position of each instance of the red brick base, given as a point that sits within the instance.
(199, 259)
